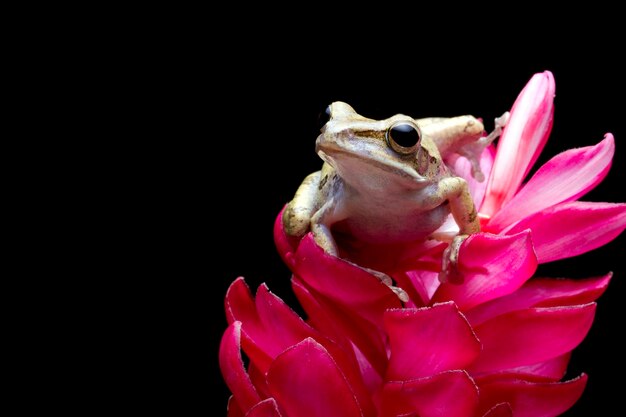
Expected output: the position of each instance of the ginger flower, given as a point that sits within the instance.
(496, 345)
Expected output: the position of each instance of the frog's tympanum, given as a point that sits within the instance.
(385, 181)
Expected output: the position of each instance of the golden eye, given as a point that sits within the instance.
(403, 137)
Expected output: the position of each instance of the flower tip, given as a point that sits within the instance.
(542, 85)
(609, 137)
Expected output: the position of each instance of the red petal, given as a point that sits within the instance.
(492, 266)
(526, 337)
(528, 399)
(448, 394)
(231, 365)
(232, 409)
(306, 382)
(522, 140)
(569, 229)
(542, 292)
(500, 410)
(266, 408)
(239, 303)
(428, 340)
(565, 177)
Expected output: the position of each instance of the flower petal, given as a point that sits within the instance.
(448, 394)
(565, 177)
(500, 410)
(265, 333)
(492, 266)
(343, 283)
(542, 292)
(428, 340)
(371, 358)
(358, 369)
(551, 370)
(305, 381)
(266, 408)
(343, 325)
(233, 371)
(232, 409)
(419, 284)
(569, 229)
(522, 140)
(531, 399)
(526, 337)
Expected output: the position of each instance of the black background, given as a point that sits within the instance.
(256, 143)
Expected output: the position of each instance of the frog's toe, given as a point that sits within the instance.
(450, 262)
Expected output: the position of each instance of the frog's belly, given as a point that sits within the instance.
(394, 227)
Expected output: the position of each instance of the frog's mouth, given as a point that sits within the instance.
(358, 163)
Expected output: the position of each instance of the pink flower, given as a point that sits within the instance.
(561, 227)
(496, 345)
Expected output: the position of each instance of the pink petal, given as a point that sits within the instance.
(344, 283)
(233, 371)
(448, 394)
(428, 340)
(500, 410)
(522, 141)
(565, 177)
(343, 325)
(569, 229)
(463, 168)
(281, 323)
(266, 408)
(266, 333)
(528, 399)
(320, 317)
(542, 292)
(492, 266)
(306, 382)
(526, 337)
(551, 370)
(419, 284)
(333, 324)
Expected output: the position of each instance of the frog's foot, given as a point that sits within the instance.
(386, 279)
(450, 262)
(473, 151)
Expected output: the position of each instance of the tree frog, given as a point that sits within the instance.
(386, 181)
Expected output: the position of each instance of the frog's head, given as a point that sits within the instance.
(388, 152)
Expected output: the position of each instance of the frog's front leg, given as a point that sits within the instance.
(320, 226)
(462, 135)
(456, 192)
(298, 213)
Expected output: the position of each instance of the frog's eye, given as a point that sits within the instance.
(323, 117)
(403, 137)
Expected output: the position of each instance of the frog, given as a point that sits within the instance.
(387, 181)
